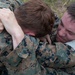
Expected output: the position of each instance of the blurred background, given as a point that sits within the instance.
(58, 6)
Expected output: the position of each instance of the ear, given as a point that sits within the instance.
(29, 32)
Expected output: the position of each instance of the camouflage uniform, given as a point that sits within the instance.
(22, 60)
(57, 59)
(12, 4)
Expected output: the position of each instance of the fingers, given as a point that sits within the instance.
(48, 38)
(5, 13)
(5, 10)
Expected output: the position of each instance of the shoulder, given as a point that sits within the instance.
(12, 4)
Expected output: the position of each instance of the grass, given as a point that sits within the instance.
(58, 6)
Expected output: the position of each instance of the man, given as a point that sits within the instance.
(59, 56)
(65, 32)
(11, 4)
(32, 14)
(66, 27)
(55, 57)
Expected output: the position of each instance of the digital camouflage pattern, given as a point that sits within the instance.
(58, 59)
(12, 4)
(33, 57)
(18, 61)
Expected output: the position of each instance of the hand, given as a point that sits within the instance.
(46, 39)
(10, 23)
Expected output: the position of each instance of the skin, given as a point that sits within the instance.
(11, 26)
(66, 29)
(5, 15)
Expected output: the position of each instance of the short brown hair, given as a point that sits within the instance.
(71, 10)
(36, 16)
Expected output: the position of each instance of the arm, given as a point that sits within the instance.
(57, 56)
(11, 4)
(11, 26)
(47, 55)
(25, 50)
(20, 58)
(23, 55)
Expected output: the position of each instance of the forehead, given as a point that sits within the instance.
(67, 21)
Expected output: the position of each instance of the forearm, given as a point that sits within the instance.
(17, 37)
(58, 55)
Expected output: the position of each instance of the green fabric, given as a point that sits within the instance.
(12, 4)
(33, 57)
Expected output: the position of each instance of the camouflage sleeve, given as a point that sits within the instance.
(52, 71)
(22, 60)
(56, 56)
(11, 4)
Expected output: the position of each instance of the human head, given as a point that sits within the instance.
(35, 18)
(66, 28)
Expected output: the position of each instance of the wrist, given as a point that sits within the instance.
(17, 37)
